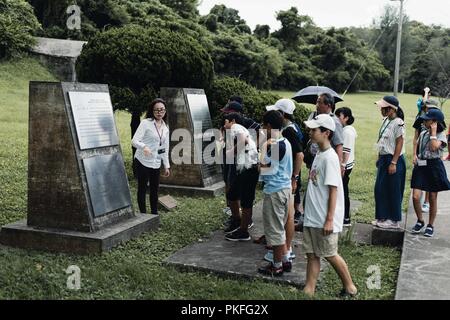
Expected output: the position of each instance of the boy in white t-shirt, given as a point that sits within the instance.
(324, 208)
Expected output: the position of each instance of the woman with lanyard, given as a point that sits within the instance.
(390, 183)
(429, 172)
(152, 143)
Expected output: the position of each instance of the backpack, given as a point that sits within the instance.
(297, 130)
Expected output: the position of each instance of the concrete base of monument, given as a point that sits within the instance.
(213, 190)
(19, 235)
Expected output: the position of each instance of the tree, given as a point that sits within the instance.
(293, 26)
(185, 8)
(17, 24)
(136, 62)
(262, 31)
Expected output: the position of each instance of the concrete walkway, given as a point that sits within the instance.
(242, 259)
(425, 265)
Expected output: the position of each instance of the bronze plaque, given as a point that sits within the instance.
(107, 183)
(94, 119)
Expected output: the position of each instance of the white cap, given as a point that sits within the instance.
(322, 120)
(284, 105)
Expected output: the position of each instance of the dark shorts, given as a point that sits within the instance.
(430, 178)
(243, 187)
(297, 198)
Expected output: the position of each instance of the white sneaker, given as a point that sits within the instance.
(227, 211)
(426, 207)
(376, 222)
(388, 224)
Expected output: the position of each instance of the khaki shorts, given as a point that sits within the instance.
(275, 215)
(322, 246)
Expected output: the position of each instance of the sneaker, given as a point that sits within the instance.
(376, 222)
(227, 211)
(426, 207)
(269, 256)
(298, 216)
(287, 266)
(347, 223)
(418, 227)
(233, 226)
(291, 255)
(270, 270)
(238, 235)
(429, 231)
(388, 224)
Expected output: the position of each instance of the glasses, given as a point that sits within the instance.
(159, 110)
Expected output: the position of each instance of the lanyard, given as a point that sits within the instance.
(382, 130)
(159, 135)
(423, 144)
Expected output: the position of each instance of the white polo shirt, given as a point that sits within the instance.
(148, 135)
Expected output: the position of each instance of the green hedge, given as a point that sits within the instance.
(255, 101)
(17, 25)
(136, 62)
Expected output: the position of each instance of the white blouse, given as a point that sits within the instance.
(157, 140)
(389, 132)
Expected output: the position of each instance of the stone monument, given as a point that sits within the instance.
(78, 194)
(188, 109)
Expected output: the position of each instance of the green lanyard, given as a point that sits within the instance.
(382, 130)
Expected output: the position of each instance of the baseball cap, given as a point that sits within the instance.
(283, 105)
(322, 120)
(433, 114)
(388, 101)
(233, 106)
(432, 104)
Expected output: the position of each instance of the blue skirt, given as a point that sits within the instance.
(389, 189)
(430, 178)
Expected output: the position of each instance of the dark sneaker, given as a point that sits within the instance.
(238, 235)
(232, 226)
(270, 270)
(287, 266)
(347, 223)
(418, 227)
(429, 231)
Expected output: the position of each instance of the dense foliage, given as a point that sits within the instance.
(17, 25)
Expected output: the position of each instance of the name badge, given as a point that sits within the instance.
(161, 151)
(422, 163)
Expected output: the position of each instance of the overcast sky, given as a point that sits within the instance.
(338, 13)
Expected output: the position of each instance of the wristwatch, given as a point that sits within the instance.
(296, 177)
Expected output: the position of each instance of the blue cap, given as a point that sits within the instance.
(433, 114)
(233, 106)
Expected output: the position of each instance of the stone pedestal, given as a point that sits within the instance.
(78, 195)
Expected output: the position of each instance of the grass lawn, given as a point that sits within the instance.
(135, 270)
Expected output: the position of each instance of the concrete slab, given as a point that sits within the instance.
(58, 47)
(425, 261)
(213, 190)
(238, 259)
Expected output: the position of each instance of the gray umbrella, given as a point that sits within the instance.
(310, 94)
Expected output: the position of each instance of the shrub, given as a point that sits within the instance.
(17, 25)
(255, 101)
(136, 61)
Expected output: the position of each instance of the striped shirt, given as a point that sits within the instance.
(155, 139)
(390, 130)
